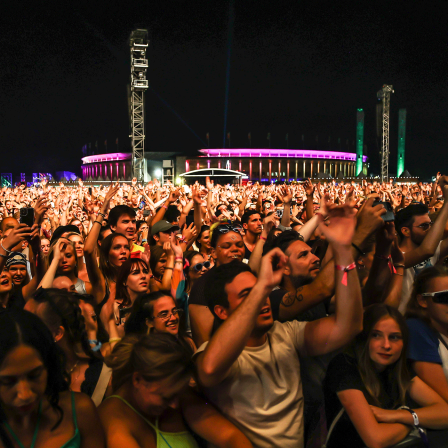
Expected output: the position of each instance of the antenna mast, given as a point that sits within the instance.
(139, 64)
(384, 96)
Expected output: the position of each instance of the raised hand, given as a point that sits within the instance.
(167, 248)
(271, 269)
(309, 187)
(40, 208)
(208, 183)
(342, 225)
(175, 247)
(189, 232)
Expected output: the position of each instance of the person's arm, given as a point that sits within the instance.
(201, 322)
(433, 414)
(185, 212)
(89, 423)
(96, 277)
(432, 374)
(162, 210)
(309, 190)
(330, 333)
(434, 235)
(259, 206)
(257, 253)
(392, 295)
(287, 199)
(215, 362)
(196, 196)
(380, 272)
(118, 434)
(373, 434)
(209, 424)
(16, 235)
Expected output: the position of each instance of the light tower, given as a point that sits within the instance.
(401, 140)
(359, 140)
(139, 64)
(384, 96)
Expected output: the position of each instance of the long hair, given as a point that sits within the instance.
(157, 356)
(123, 274)
(398, 373)
(22, 327)
(156, 254)
(142, 309)
(109, 271)
(421, 282)
(62, 309)
(204, 228)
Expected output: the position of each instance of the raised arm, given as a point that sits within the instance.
(257, 253)
(96, 277)
(231, 337)
(330, 333)
(434, 235)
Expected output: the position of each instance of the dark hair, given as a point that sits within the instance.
(102, 230)
(63, 309)
(172, 213)
(142, 309)
(204, 228)
(405, 217)
(421, 281)
(156, 254)
(110, 272)
(218, 278)
(123, 274)
(188, 256)
(216, 234)
(118, 211)
(22, 327)
(284, 240)
(398, 374)
(156, 356)
(247, 215)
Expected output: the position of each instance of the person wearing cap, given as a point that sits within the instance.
(162, 231)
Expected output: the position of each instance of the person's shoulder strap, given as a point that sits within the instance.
(333, 424)
(101, 385)
(156, 429)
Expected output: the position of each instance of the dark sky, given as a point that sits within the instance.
(296, 68)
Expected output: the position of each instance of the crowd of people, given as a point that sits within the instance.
(284, 315)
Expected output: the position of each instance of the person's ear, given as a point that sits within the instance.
(137, 380)
(156, 237)
(245, 226)
(59, 334)
(113, 228)
(422, 301)
(406, 231)
(221, 312)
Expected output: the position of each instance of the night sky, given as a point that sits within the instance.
(301, 68)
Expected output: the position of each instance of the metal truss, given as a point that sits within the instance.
(139, 84)
(384, 96)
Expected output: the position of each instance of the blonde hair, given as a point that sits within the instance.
(69, 243)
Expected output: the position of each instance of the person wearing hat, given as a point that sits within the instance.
(24, 288)
(162, 231)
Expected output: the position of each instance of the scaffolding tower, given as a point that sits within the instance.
(384, 96)
(401, 141)
(139, 84)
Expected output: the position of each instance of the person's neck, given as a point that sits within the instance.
(256, 340)
(205, 251)
(407, 245)
(288, 285)
(250, 238)
(127, 392)
(132, 296)
(4, 299)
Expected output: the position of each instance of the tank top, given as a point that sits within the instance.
(80, 286)
(74, 442)
(165, 439)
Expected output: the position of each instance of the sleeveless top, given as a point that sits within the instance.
(74, 442)
(165, 439)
